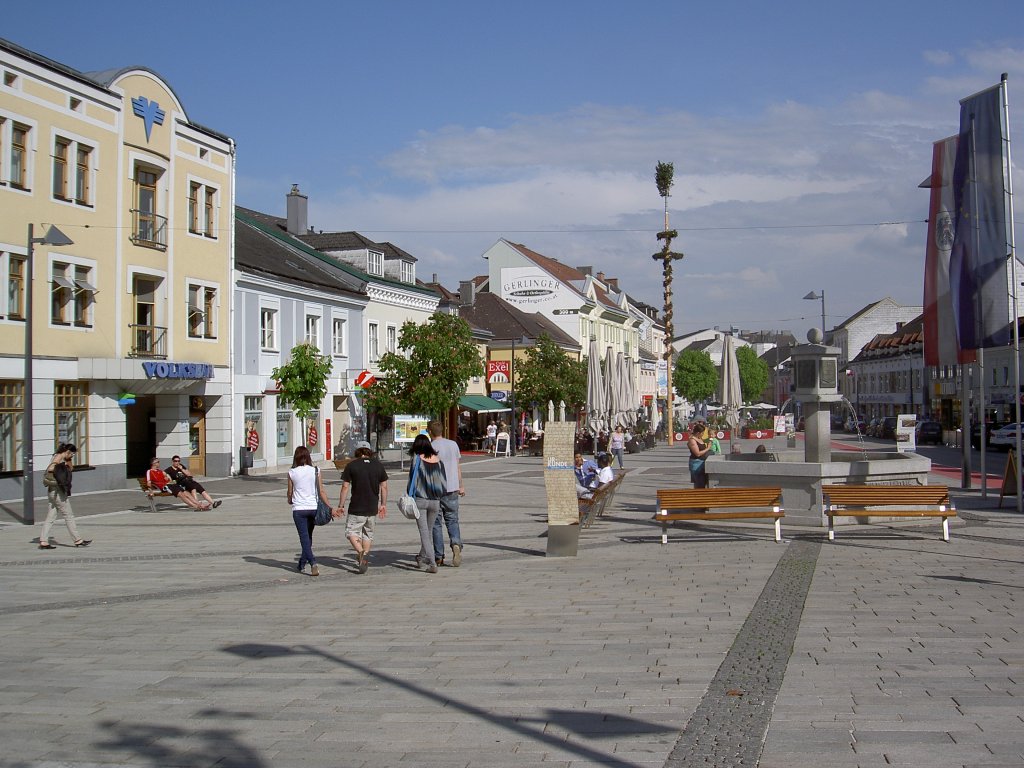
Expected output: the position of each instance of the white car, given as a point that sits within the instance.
(1004, 437)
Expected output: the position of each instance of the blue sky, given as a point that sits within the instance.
(796, 128)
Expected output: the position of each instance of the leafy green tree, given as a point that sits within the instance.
(548, 374)
(303, 379)
(695, 376)
(437, 360)
(753, 374)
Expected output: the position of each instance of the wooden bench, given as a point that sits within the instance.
(694, 503)
(594, 507)
(887, 501)
(151, 493)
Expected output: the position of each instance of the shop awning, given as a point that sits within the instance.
(482, 404)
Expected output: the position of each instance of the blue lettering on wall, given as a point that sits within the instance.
(178, 370)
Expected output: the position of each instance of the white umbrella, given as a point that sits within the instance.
(632, 401)
(596, 405)
(730, 392)
(763, 407)
(626, 407)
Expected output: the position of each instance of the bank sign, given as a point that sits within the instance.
(534, 290)
(178, 370)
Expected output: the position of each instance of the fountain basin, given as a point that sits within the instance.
(801, 480)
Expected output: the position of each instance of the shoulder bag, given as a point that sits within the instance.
(407, 503)
(323, 509)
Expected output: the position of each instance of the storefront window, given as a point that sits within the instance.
(284, 434)
(12, 405)
(254, 422)
(71, 409)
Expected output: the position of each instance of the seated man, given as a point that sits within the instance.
(158, 480)
(179, 474)
(584, 477)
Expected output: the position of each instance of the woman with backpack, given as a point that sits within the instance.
(58, 488)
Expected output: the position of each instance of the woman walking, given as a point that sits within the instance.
(617, 444)
(304, 486)
(427, 485)
(58, 488)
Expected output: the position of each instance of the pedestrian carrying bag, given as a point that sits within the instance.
(323, 509)
(49, 481)
(407, 503)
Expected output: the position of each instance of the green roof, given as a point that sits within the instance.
(482, 404)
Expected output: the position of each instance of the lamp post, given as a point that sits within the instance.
(814, 296)
(512, 384)
(53, 236)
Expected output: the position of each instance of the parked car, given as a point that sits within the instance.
(1004, 437)
(886, 428)
(928, 432)
(872, 428)
(990, 429)
(856, 425)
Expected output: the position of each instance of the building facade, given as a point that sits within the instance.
(130, 322)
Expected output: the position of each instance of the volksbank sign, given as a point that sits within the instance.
(178, 370)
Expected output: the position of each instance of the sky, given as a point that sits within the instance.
(799, 131)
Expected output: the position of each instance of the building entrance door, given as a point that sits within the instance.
(197, 442)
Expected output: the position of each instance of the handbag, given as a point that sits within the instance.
(407, 503)
(49, 481)
(323, 509)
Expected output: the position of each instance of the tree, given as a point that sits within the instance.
(438, 359)
(548, 374)
(753, 374)
(695, 376)
(303, 380)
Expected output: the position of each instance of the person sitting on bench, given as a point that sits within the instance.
(179, 474)
(158, 480)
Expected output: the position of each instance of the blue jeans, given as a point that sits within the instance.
(617, 453)
(304, 524)
(450, 513)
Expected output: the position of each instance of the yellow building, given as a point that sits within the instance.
(130, 322)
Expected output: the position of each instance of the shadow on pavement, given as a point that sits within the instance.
(167, 745)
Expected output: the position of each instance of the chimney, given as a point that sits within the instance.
(613, 283)
(298, 212)
(600, 276)
(586, 270)
(467, 293)
(433, 278)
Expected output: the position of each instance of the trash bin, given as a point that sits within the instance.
(244, 459)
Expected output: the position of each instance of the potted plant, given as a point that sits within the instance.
(760, 428)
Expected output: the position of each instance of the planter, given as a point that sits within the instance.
(758, 434)
(721, 434)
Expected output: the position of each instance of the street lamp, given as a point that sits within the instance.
(814, 296)
(53, 236)
(512, 384)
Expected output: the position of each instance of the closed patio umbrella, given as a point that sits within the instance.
(730, 392)
(596, 405)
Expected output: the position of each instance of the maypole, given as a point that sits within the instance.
(663, 178)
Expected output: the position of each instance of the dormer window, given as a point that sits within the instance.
(408, 272)
(375, 263)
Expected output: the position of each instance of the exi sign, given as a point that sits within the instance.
(178, 370)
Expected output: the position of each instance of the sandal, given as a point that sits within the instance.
(83, 542)
(46, 545)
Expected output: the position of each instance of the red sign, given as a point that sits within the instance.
(311, 435)
(327, 437)
(254, 440)
(365, 379)
(498, 371)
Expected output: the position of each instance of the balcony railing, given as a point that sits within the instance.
(148, 341)
(149, 229)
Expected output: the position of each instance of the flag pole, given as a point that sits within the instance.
(1012, 256)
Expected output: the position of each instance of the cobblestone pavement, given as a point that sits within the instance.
(188, 639)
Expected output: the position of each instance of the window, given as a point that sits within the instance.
(313, 330)
(60, 169)
(193, 207)
(202, 209)
(149, 339)
(71, 295)
(338, 337)
(85, 294)
(372, 343)
(254, 421)
(408, 272)
(19, 156)
(284, 434)
(375, 263)
(149, 229)
(268, 328)
(83, 192)
(12, 405)
(16, 286)
(392, 339)
(61, 292)
(202, 312)
(71, 408)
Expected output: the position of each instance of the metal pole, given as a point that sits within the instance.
(822, 315)
(28, 510)
(513, 431)
(1013, 282)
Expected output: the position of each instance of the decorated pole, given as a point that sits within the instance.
(663, 177)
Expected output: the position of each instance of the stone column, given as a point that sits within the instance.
(817, 432)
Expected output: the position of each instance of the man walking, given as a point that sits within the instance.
(451, 458)
(366, 477)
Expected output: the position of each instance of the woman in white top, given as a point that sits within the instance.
(304, 485)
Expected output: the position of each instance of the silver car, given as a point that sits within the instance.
(1005, 437)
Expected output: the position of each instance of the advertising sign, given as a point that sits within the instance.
(407, 427)
(498, 371)
(662, 378)
(906, 432)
